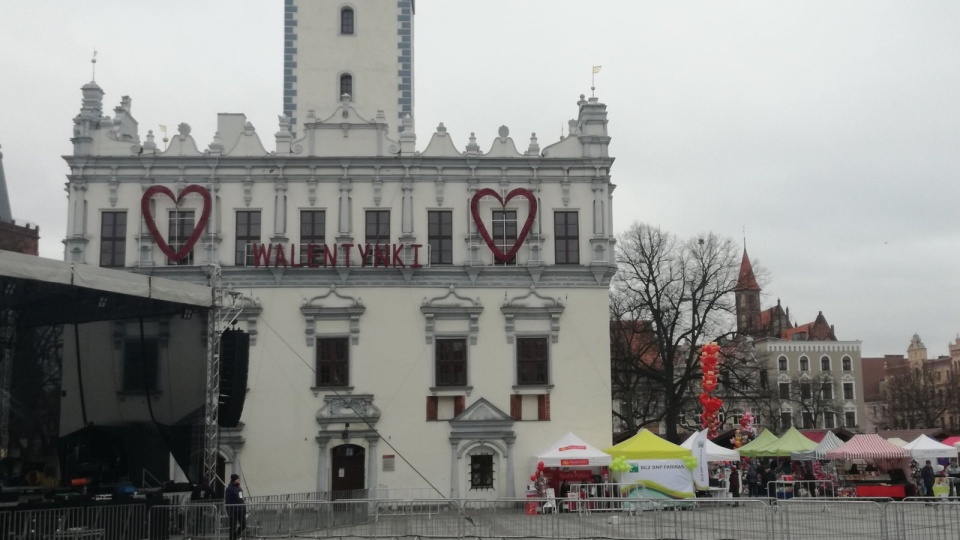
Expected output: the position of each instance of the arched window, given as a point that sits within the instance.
(346, 21)
(346, 84)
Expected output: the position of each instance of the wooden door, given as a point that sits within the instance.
(348, 468)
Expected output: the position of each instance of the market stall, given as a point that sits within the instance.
(815, 461)
(658, 469)
(897, 441)
(883, 470)
(924, 448)
(571, 460)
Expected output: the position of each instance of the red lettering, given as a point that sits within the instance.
(281, 257)
(416, 256)
(294, 262)
(262, 252)
(381, 257)
(312, 255)
(363, 254)
(397, 261)
(330, 256)
(346, 254)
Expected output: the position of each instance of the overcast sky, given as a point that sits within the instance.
(829, 130)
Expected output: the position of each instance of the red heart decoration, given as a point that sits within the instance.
(198, 228)
(482, 229)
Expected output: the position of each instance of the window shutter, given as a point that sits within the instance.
(543, 407)
(516, 407)
(433, 403)
(459, 403)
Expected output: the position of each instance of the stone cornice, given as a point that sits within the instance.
(492, 277)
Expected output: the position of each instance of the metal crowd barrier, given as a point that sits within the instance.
(615, 518)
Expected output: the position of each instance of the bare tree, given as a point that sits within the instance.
(815, 398)
(669, 297)
(912, 399)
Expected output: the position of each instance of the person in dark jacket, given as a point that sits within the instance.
(236, 507)
(927, 475)
(734, 481)
(753, 486)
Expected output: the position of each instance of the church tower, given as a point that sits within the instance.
(359, 48)
(747, 293)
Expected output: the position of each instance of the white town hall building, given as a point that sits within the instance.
(415, 307)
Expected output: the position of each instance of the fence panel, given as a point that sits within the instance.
(619, 518)
(932, 519)
(712, 519)
(189, 520)
(815, 519)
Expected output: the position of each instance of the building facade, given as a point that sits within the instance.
(817, 381)
(420, 315)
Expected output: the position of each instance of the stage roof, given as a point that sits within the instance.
(48, 292)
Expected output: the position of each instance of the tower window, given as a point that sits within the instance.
(346, 84)
(346, 21)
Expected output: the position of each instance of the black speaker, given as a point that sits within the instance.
(234, 365)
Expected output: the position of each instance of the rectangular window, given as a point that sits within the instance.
(248, 233)
(806, 391)
(481, 471)
(113, 241)
(786, 420)
(804, 363)
(333, 362)
(140, 365)
(808, 420)
(505, 231)
(847, 364)
(829, 420)
(532, 361)
(851, 419)
(440, 236)
(377, 231)
(566, 233)
(784, 390)
(179, 228)
(848, 390)
(764, 379)
(826, 391)
(825, 363)
(313, 230)
(782, 363)
(451, 357)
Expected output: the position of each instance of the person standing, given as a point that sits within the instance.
(927, 475)
(734, 481)
(753, 488)
(953, 472)
(236, 507)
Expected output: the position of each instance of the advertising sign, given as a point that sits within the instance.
(657, 479)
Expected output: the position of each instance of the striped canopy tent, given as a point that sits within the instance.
(868, 446)
(764, 439)
(788, 443)
(897, 441)
(829, 442)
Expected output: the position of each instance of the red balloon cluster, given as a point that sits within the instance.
(533, 477)
(711, 404)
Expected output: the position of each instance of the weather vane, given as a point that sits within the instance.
(93, 62)
(593, 81)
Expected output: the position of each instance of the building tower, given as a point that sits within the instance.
(747, 293)
(361, 48)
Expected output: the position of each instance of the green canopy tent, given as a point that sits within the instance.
(764, 439)
(790, 442)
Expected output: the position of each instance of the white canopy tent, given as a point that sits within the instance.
(714, 451)
(897, 441)
(571, 451)
(924, 447)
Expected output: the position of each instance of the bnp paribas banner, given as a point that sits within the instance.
(657, 479)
